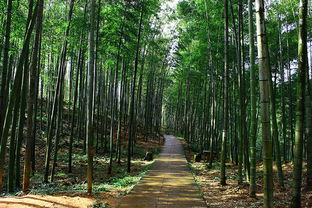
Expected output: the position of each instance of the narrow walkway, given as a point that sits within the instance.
(168, 184)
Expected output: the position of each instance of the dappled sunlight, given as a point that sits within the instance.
(234, 195)
(45, 201)
(168, 182)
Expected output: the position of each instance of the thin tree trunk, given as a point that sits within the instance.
(58, 126)
(4, 79)
(290, 93)
(31, 98)
(12, 148)
(253, 116)
(121, 103)
(112, 118)
(132, 110)
(21, 128)
(225, 98)
(264, 82)
(308, 113)
(282, 96)
(33, 148)
(275, 135)
(71, 138)
(90, 91)
(213, 123)
(300, 114)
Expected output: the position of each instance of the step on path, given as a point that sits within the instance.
(168, 183)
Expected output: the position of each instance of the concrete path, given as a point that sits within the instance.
(168, 184)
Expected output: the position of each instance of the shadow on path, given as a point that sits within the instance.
(168, 183)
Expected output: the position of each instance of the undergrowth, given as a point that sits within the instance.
(122, 181)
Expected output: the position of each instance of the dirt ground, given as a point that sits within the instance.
(236, 196)
(50, 201)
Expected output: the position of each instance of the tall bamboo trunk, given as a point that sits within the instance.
(4, 77)
(225, 91)
(275, 135)
(264, 82)
(253, 118)
(71, 138)
(31, 98)
(90, 91)
(132, 110)
(300, 113)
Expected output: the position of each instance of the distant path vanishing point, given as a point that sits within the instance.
(168, 184)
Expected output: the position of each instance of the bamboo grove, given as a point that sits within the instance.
(85, 76)
(100, 65)
(241, 88)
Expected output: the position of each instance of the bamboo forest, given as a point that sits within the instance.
(156, 103)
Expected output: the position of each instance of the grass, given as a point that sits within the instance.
(121, 182)
(99, 204)
(156, 150)
(197, 182)
(178, 135)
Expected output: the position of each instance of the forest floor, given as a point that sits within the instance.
(69, 190)
(234, 195)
